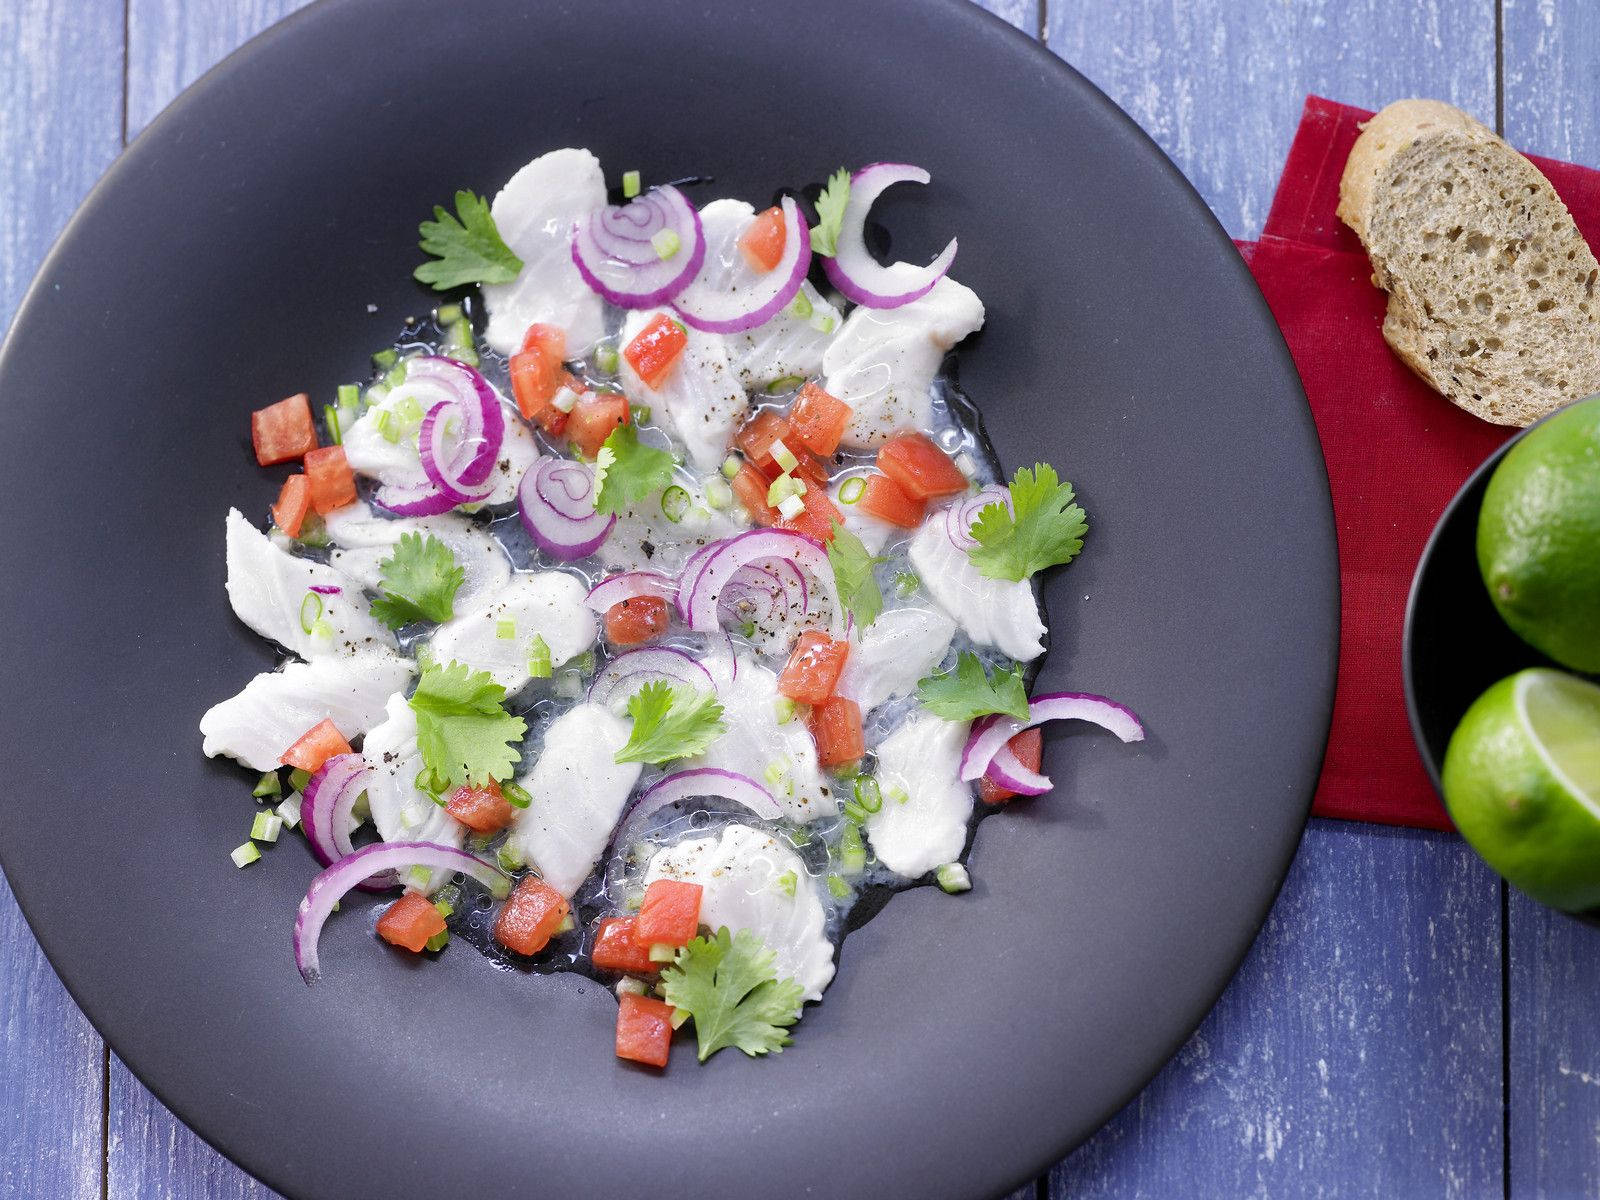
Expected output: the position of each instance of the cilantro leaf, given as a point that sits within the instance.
(852, 570)
(626, 470)
(969, 692)
(467, 249)
(1042, 528)
(419, 582)
(830, 214)
(671, 723)
(729, 985)
(463, 733)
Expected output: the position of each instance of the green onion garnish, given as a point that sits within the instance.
(786, 882)
(466, 355)
(268, 785)
(629, 986)
(776, 770)
(384, 359)
(584, 663)
(852, 853)
(266, 827)
(387, 425)
(953, 878)
(898, 794)
(666, 242)
(783, 456)
(419, 877)
(718, 494)
(349, 396)
(674, 503)
(409, 410)
(510, 858)
(853, 812)
(663, 953)
(539, 658)
(783, 488)
(310, 612)
(906, 582)
(298, 779)
(640, 413)
(244, 855)
(822, 323)
(783, 707)
(289, 810)
(868, 794)
(438, 941)
(605, 358)
(787, 383)
(396, 375)
(838, 887)
(506, 630)
(850, 490)
(800, 306)
(630, 184)
(730, 466)
(448, 314)
(515, 794)
(330, 414)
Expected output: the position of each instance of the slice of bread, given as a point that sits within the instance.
(1491, 286)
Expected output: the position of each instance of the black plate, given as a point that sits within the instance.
(228, 259)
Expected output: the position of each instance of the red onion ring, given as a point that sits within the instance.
(710, 304)
(960, 516)
(1007, 770)
(433, 451)
(628, 586)
(991, 733)
(556, 503)
(854, 271)
(613, 250)
(450, 462)
(689, 573)
(717, 569)
(350, 872)
(685, 785)
(631, 671)
(327, 812)
(767, 593)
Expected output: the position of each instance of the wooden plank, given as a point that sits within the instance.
(1357, 1052)
(1550, 51)
(60, 87)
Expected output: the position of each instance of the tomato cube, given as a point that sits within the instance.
(535, 380)
(644, 1030)
(885, 499)
(591, 422)
(836, 727)
(923, 471)
(530, 917)
(480, 809)
(655, 348)
(636, 620)
(410, 921)
(316, 746)
(750, 485)
(283, 431)
(813, 669)
(816, 519)
(818, 420)
(756, 438)
(669, 915)
(762, 241)
(333, 483)
(1028, 746)
(294, 501)
(616, 949)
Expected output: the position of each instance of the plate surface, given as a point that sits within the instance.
(229, 259)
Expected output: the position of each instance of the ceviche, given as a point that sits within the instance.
(650, 603)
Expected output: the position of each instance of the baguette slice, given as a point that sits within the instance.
(1491, 286)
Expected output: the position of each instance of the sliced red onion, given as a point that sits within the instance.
(717, 570)
(628, 586)
(327, 812)
(689, 573)
(413, 499)
(556, 502)
(854, 271)
(350, 872)
(697, 781)
(615, 251)
(960, 516)
(629, 672)
(460, 438)
(326, 589)
(766, 593)
(432, 448)
(991, 733)
(709, 302)
(1007, 770)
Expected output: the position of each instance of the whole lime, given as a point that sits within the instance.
(1539, 537)
(1522, 782)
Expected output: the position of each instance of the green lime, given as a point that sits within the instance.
(1539, 537)
(1522, 782)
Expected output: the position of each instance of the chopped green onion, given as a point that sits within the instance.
(629, 986)
(605, 358)
(674, 503)
(445, 908)
(584, 663)
(569, 685)
(268, 785)
(539, 658)
(718, 494)
(838, 887)
(783, 487)
(848, 770)
(953, 878)
(298, 779)
(681, 327)
(567, 924)
(661, 952)
(822, 323)
(565, 399)
(409, 410)
(783, 707)
(800, 306)
(630, 184)
(506, 630)
(791, 508)
(748, 629)
(322, 630)
(906, 582)
(419, 877)
(313, 532)
(965, 464)
(679, 1017)
(310, 612)
(330, 414)
(466, 355)
(787, 383)
(666, 242)
(799, 836)
(868, 794)
(376, 394)
(510, 858)
(396, 375)
(266, 827)
(289, 810)
(850, 490)
(776, 770)
(898, 794)
(640, 413)
(459, 335)
(730, 466)
(349, 396)
(783, 456)
(852, 853)
(244, 855)
(853, 812)
(387, 425)
(516, 795)
(384, 359)
(438, 941)
(786, 882)
(448, 314)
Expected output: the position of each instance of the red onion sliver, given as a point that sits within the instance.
(854, 271)
(350, 872)
(627, 586)
(613, 249)
(433, 451)
(697, 781)
(960, 516)
(715, 309)
(629, 672)
(718, 569)
(455, 455)
(327, 812)
(556, 502)
(989, 734)
(1007, 770)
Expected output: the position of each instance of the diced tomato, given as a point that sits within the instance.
(316, 746)
(615, 948)
(836, 726)
(756, 438)
(636, 620)
(669, 915)
(549, 340)
(1028, 746)
(885, 499)
(762, 243)
(283, 431)
(923, 471)
(409, 922)
(817, 518)
(333, 483)
(530, 916)
(814, 668)
(644, 1030)
(655, 348)
(481, 809)
(591, 422)
(536, 377)
(818, 420)
(750, 485)
(294, 501)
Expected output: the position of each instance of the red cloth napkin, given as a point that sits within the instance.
(1396, 453)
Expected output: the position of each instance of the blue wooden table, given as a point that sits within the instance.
(1405, 1025)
